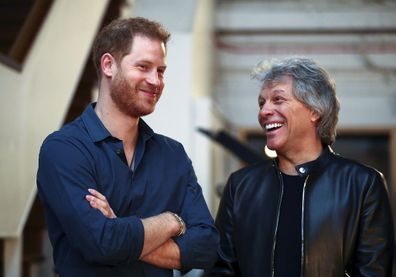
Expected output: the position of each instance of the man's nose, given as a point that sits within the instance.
(153, 78)
(266, 109)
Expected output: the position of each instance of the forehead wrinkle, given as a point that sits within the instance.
(272, 92)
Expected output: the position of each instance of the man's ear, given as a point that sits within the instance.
(107, 64)
(315, 116)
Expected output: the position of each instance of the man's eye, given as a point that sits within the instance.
(142, 66)
(161, 70)
(278, 99)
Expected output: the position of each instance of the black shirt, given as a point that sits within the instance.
(288, 237)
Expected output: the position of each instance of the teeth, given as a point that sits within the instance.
(272, 126)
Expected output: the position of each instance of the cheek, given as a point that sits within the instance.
(260, 118)
(162, 85)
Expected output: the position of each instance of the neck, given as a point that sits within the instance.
(119, 125)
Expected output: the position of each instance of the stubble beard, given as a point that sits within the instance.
(125, 97)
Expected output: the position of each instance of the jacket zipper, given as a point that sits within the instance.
(277, 222)
(302, 227)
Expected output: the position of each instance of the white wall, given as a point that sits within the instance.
(35, 101)
(33, 104)
(352, 42)
(186, 101)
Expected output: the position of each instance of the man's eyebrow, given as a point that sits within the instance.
(150, 63)
(279, 91)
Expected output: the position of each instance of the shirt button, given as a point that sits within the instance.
(119, 151)
(302, 170)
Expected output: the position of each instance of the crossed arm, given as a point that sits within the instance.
(159, 248)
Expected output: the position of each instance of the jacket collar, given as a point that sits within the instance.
(316, 165)
(307, 168)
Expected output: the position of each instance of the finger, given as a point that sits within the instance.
(89, 197)
(104, 211)
(111, 213)
(97, 194)
(95, 202)
(101, 205)
(92, 201)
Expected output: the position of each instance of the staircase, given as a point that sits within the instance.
(41, 67)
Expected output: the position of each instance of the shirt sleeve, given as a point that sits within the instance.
(66, 171)
(199, 244)
(374, 249)
(227, 263)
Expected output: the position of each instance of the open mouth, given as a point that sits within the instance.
(272, 126)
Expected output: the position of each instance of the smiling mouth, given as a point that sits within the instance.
(272, 126)
(150, 93)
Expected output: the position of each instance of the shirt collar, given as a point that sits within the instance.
(98, 132)
(144, 130)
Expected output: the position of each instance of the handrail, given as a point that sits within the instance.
(21, 45)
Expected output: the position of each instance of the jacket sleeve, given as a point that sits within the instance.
(227, 263)
(65, 173)
(199, 244)
(374, 251)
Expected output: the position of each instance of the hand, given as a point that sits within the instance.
(99, 201)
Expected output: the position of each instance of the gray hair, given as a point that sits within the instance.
(312, 86)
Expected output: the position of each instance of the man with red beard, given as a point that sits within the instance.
(307, 212)
(121, 200)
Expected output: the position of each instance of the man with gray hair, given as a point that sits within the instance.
(308, 212)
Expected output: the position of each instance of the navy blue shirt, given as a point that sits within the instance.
(83, 155)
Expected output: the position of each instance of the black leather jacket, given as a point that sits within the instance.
(347, 227)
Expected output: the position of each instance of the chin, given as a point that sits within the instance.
(146, 112)
(274, 146)
(271, 147)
